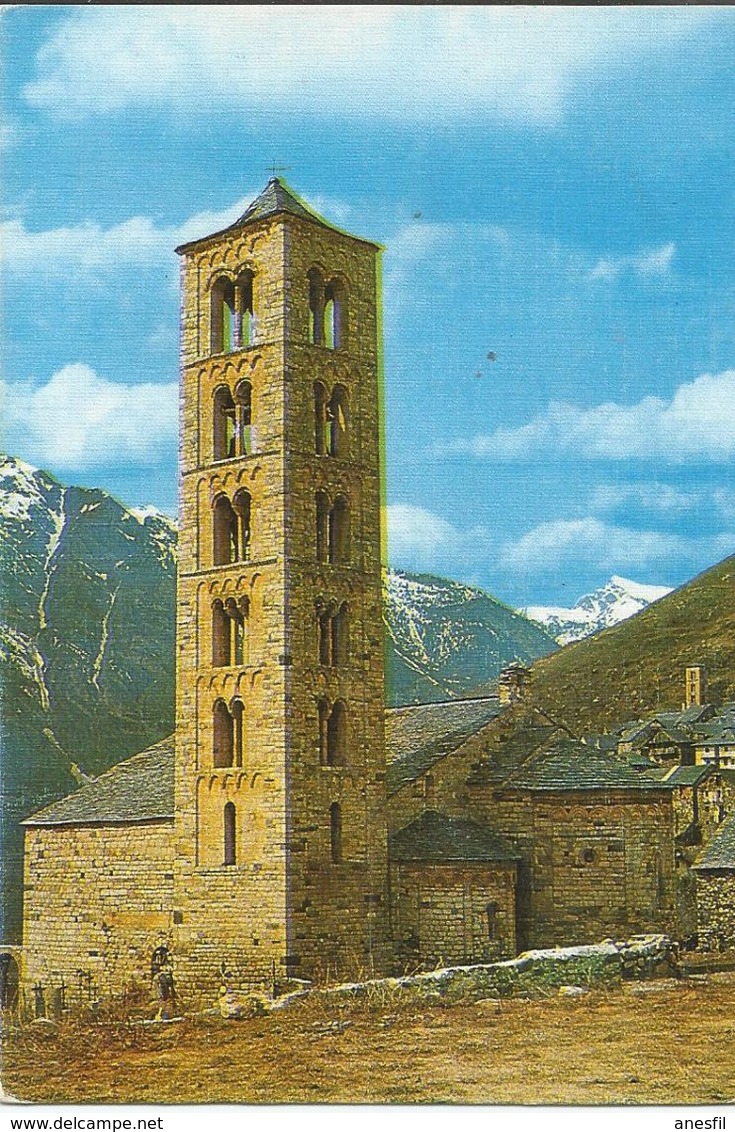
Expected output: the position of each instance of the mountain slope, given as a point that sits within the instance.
(637, 667)
(86, 641)
(616, 601)
(444, 638)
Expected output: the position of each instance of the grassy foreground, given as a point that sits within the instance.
(661, 1042)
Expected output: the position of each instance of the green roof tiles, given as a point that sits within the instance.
(139, 789)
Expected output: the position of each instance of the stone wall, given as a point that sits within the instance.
(461, 912)
(716, 909)
(97, 902)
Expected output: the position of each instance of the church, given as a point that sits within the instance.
(292, 827)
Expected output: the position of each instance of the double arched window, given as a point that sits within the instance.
(332, 529)
(334, 635)
(327, 310)
(229, 632)
(232, 528)
(228, 738)
(232, 433)
(331, 420)
(332, 733)
(232, 313)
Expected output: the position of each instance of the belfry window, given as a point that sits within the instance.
(226, 541)
(337, 735)
(244, 418)
(339, 531)
(224, 425)
(322, 431)
(229, 633)
(323, 711)
(232, 315)
(322, 526)
(337, 422)
(335, 832)
(223, 735)
(316, 307)
(242, 507)
(238, 731)
(230, 834)
(334, 315)
(340, 637)
(325, 638)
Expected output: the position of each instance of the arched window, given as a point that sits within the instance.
(226, 532)
(323, 710)
(242, 505)
(243, 412)
(325, 636)
(337, 735)
(223, 316)
(337, 420)
(335, 314)
(223, 735)
(238, 727)
(224, 425)
(335, 832)
(322, 428)
(340, 636)
(220, 635)
(322, 526)
(316, 307)
(339, 531)
(244, 317)
(230, 837)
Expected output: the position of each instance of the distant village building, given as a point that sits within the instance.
(292, 826)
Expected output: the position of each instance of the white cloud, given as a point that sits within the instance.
(388, 61)
(571, 543)
(696, 424)
(89, 247)
(653, 496)
(651, 263)
(421, 540)
(79, 420)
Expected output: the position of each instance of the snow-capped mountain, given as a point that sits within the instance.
(617, 600)
(447, 639)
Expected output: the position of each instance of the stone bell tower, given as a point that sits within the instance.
(280, 842)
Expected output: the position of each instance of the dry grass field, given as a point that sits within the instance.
(646, 1043)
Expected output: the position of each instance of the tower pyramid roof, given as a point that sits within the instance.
(276, 198)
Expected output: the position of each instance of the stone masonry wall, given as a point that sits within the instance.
(97, 901)
(440, 913)
(716, 909)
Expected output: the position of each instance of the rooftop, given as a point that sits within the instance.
(436, 837)
(572, 765)
(720, 853)
(139, 789)
(418, 736)
(276, 199)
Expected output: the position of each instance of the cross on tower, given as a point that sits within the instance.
(274, 169)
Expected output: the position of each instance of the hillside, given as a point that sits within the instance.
(86, 643)
(444, 638)
(637, 667)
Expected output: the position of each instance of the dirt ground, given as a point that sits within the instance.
(661, 1042)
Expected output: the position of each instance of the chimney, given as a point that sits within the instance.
(695, 691)
(513, 683)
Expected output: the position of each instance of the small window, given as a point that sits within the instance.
(340, 636)
(238, 732)
(242, 506)
(335, 830)
(226, 532)
(323, 711)
(230, 834)
(337, 419)
(491, 919)
(223, 735)
(224, 425)
(339, 532)
(243, 410)
(322, 526)
(587, 856)
(337, 735)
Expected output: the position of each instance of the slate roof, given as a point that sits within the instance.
(275, 199)
(139, 789)
(436, 837)
(680, 775)
(720, 853)
(572, 765)
(419, 736)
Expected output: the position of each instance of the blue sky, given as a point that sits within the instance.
(554, 190)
